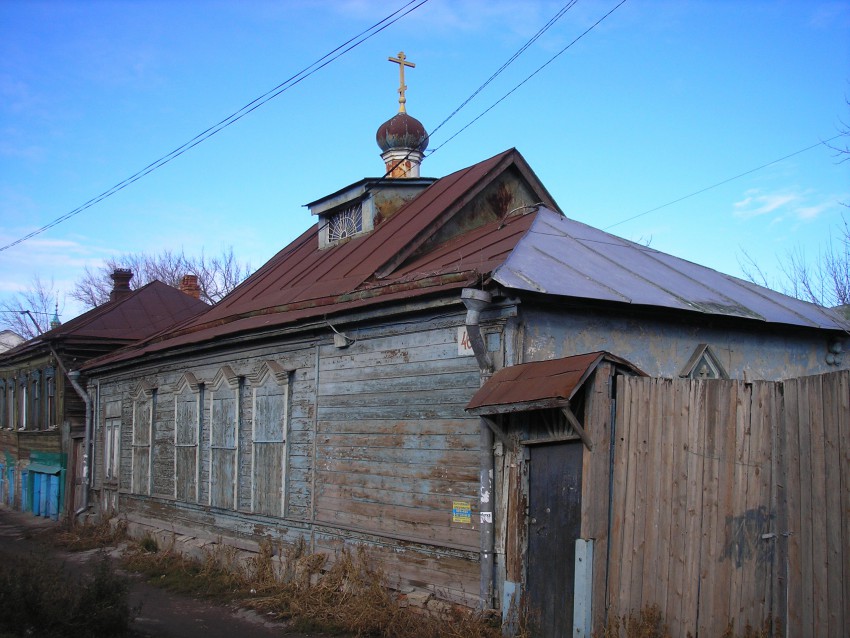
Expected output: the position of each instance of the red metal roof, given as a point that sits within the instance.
(138, 315)
(539, 383)
(303, 281)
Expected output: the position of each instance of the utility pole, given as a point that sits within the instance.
(34, 322)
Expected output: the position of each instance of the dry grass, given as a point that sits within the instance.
(350, 596)
(79, 537)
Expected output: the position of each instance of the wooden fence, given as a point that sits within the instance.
(731, 501)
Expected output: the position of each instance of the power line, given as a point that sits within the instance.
(521, 50)
(538, 70)
(725, 181)
(563, 10)
(306, 72)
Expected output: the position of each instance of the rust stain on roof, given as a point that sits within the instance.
(554, 382)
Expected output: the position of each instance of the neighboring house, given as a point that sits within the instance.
(42, 410)
(324, 400)
(9, 339)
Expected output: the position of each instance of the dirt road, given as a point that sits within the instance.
(163, 614)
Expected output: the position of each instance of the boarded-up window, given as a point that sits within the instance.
(268, 454)
(2, 404)
(22, 407)
(10, 404)
(224, 442)
(111, 439)
(186, 425)
(143, 415)
(35, 421)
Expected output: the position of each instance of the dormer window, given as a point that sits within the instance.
(357, 209)
(346, 222)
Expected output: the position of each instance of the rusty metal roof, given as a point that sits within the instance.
(540, 251)
(138, 315)
(539, 384)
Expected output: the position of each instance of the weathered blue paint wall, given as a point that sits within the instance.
(662, 347)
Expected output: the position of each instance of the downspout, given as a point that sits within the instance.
(476, 301)
(73, 376)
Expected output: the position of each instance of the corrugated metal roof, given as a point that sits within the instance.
(564, 257)
(539, 383)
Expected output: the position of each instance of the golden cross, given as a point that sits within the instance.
(402, 62)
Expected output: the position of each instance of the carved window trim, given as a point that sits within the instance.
(269, 376)
(188, 396)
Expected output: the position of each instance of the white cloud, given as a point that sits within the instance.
(798, 206)
(755, 205)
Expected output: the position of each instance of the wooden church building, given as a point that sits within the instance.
(428, 371)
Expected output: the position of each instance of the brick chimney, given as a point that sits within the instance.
(120, 283)
(189, 285)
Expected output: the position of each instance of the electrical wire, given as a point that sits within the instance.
(538, 70)
(563, 10)
(309, 70)
(725, 181)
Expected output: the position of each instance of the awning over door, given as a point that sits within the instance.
(540, 384)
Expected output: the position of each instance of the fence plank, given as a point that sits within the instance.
(805, 537)
(832, 502)
(638, 478)
(596, 488)
(818, 507)
(678, 437)
(652, 554)
(844, 484)
(737, 520)
(794, 571)
(757, 581)
(665, 486)
(622, 437)
(693, 537)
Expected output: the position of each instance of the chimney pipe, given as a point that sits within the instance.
(120, 283)
(189, 285)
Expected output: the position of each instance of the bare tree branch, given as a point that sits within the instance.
(40, 300)
(217, 275)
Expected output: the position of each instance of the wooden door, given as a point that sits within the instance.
(78, 479)
(554, 524)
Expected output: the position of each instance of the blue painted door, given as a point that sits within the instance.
(45, 493)
(36, 493)
(53, 496)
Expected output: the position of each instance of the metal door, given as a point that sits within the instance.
(554, 524)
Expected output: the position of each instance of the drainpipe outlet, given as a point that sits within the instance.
(476, 301)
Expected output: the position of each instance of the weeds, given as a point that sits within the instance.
(80, 537)
(350, 596)
(38, 598)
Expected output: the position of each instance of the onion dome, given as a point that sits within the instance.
(402, 132)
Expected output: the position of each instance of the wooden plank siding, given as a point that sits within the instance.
(731, 503)
(377, 449)
(394, 446)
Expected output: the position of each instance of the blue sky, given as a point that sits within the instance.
(660, 100)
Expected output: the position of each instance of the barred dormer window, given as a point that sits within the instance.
(347, 222)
